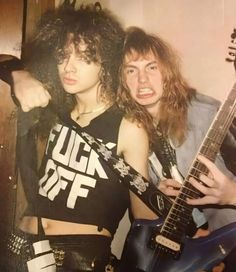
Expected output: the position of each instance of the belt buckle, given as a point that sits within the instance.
(109, 268)
(59, 255)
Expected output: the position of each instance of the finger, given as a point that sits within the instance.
(206, 161)
(209, 164)
(195, 201)
(44, 99)
(207, 181)
(25, 108)
(47, 94)
(200, 187)
(170, 191)
(201, 233)
(219, 268)
(172, 182)
(201, 201)
(39, 99)
(32, 102)
(29, 106)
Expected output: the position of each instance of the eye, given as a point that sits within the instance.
(130, 71)
(82, 59)
(152, 67)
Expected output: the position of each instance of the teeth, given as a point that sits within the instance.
(145, 90)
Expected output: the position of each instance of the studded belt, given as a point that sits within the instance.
(65, 255)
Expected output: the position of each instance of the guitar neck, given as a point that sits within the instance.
(180, 213)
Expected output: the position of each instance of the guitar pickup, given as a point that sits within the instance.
(161, 240)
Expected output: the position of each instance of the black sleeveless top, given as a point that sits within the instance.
(75, 185)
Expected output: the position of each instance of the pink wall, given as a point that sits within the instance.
(198, 29)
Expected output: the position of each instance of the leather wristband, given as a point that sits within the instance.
(6, 69)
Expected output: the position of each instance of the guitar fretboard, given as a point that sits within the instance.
(180, 213)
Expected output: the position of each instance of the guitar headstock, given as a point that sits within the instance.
(232, 49)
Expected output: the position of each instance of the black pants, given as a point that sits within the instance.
(230, 261)
(73, 253)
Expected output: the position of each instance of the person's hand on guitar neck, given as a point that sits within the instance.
(169, 187)
(216, 187)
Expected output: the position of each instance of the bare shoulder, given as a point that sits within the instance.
(132, 134)
(130, 128)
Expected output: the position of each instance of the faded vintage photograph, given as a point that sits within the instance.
(117, 136)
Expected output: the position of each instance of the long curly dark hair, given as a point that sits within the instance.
(177, 94)
(104, 37)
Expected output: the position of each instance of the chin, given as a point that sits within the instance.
(70, 90)
(146, 102)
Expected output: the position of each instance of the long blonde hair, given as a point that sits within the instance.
(177, 94)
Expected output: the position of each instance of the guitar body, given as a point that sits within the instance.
(140, 253)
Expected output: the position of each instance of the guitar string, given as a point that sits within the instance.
(216, 134)
(228, 121)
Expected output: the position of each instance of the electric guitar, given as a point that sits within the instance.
(162, 246)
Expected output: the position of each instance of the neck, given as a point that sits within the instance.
(153, 110)
(89, 100)
(90, 106)
(89, 110)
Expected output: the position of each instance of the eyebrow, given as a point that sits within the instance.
(152, 62)
(133, 66)
(129, 66)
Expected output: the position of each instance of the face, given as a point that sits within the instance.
(76, 74)
(143, 78)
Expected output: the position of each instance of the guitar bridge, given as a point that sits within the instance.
(167, 243)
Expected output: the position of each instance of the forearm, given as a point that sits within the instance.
(8, 64)
(24, 88)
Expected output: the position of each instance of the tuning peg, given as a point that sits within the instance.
(232, 54)
(233, 35)
(232, 49)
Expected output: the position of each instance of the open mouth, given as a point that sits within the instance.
(145, 92)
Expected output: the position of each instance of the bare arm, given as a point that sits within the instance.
(217, 188)
(134, 145)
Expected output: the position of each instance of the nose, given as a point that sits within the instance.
(142, 77)
(69, 65)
